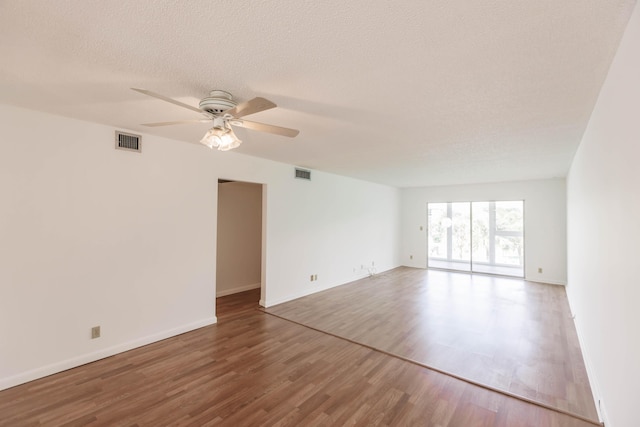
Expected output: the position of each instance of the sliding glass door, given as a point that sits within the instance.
(485, 237)
(498, 244)
(450, 236)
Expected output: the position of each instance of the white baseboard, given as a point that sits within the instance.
(236, 289)
(271, 302)
(290, 297)
(591, 375)
(546, 282)
(63, 365)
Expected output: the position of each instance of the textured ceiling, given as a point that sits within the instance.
(404, 93)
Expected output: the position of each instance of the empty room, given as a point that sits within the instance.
(296, 213)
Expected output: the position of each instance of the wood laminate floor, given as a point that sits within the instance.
(254, 369)
(505, 333)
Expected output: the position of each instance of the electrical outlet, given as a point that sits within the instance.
(410, 256)
(95, 332)
(539, 269)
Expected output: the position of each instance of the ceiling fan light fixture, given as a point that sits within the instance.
(220, 108)
(221, 138)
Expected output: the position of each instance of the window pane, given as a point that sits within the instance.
(509, 250)
(438, 224)
(509, 216)
(480, 241)
(461, 233)
(497, 242)
(449, 236)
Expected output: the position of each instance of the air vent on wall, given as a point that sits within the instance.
(303, 174)
(128, 141)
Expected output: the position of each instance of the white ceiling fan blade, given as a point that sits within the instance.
(252, 106)
(164, 98)
(264, 127)
(177, 122)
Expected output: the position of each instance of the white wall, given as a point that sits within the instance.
(90, 235)
(603, 192)
(239, 244)
(329, 226)
(545, 222)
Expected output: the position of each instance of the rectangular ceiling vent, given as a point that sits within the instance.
(128, 141)
(303, 174)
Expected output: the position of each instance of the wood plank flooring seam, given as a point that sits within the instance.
(450, 374)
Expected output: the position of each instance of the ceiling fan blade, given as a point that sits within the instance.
(177, 122)
(164, 98)
(252, 106)
(265, 128)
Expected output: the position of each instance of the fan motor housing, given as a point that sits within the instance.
(217, 102)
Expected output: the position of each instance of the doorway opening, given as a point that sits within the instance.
(481, 237)
(239, 244)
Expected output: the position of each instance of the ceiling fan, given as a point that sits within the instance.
(220, 108)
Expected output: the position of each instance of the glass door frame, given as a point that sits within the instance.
(492, 234)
